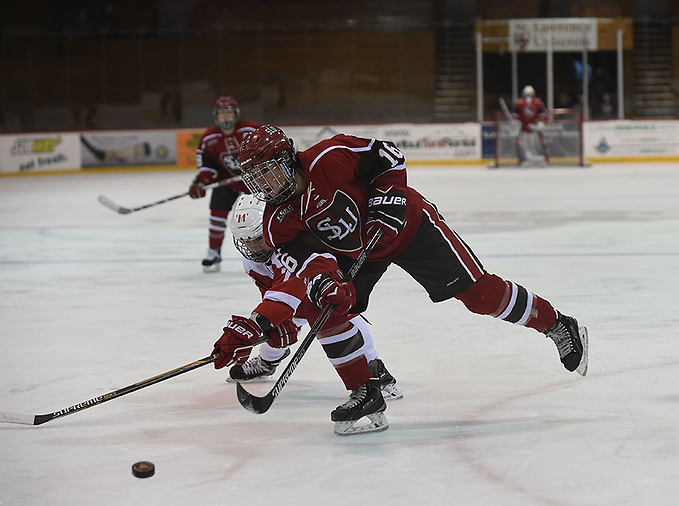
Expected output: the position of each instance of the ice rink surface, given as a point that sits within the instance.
(92, 301)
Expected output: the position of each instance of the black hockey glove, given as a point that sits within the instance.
(387, 210)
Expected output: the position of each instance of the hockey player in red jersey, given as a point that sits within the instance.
(531, 112)
(217, 159)
(282, 312)
(322, 205)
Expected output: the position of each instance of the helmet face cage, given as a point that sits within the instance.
(267, 160)
(272, 181)
(254, 249)
(226, 113)
(247, 229)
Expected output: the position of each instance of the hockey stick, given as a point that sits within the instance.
(107, 202)
(505, 110)
(261, 405)
(40, 419)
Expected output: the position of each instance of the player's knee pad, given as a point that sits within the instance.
(488, 295)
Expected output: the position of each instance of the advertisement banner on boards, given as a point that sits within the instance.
(187, 143)
(562, 34)
(39, 152)
(631, 138)
(434, 142)
(125, 148)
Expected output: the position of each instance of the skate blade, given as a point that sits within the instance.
(391, 393)
(212, 268)
(377, 422)
(584, 361)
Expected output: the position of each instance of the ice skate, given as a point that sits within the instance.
(390, 391)
(212, 261)
(255, 369)
(364, 402)
(572, 342)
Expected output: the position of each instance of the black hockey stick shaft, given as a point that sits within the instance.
(40, 419)
(261, 405)
(104, 200)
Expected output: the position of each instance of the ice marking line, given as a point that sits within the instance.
(108, 261)
(585, 255)
(224, 260)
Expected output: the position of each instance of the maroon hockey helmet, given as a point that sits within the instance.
(226, 112)
(267, 161)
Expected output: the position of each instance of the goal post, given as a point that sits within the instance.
(558, 141)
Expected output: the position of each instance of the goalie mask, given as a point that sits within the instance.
(227, 113)
(247, 227)
(267, 161)
(528, 93)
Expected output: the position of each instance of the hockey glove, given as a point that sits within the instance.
(323, 289)
(284, 335)
(205, 176)
(387, 210)
(240, 335)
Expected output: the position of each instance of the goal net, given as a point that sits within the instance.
(556, 142)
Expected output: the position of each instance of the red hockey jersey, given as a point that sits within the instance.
(220, 152)
(330, 216)
(283, 295)
(529, 113)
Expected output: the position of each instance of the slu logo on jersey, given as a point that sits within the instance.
(336, 225)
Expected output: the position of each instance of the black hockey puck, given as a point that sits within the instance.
(143, 469)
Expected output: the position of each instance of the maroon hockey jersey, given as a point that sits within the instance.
(220, 152)
(330, 216)
(529, 113)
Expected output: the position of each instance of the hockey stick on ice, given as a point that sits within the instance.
(107, 202)
(40, 419)
(261, 405)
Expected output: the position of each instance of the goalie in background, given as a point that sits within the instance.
(217, 159)
(530, 145)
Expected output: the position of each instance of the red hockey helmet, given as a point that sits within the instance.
(267, 162)
(226, 112)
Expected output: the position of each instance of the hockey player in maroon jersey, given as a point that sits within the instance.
(322, 205)
(217, 159)
(282, 311)
(531, 112)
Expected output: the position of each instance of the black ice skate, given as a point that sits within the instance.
(255, 369)
(212, 261)
(365, 401)
(390, 391)
(572, 342)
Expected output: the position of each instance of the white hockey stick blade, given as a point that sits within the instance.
(107, 202)
(17, 418)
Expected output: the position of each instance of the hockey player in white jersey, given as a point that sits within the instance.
(281, 315)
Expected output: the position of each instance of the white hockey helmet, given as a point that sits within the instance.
(528, 91)
(246, 222)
